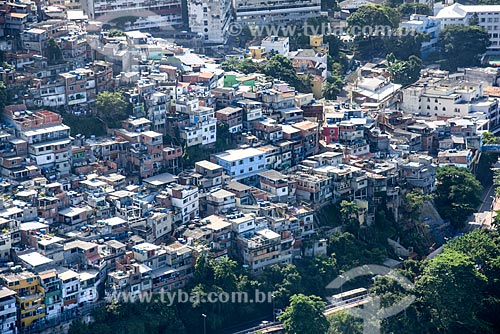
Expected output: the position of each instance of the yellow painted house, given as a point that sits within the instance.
(30, 297)
(316, 42)
(257, 52)
(317, 85)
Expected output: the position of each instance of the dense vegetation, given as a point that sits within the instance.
(458, 291)
(458, 193)
(462, 46)
(112, 108)
(278, 67)
(86, 125)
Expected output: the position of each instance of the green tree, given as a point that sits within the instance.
(480, 246)
(390, 292)
(132, 318)
(403, 46)
(245, 36)
(348, 211)
(404, 72)
(474, 20)
(283, 281)
(333, 87)
(5, 96)
(225, 275)
(281, 67)
(78, 327)
(373, 16)
(224, 137)
(450, 289)
(349, 216)
(370, 24)
(116, 33)
(413, 202)
(304, 315)
(203, 271)
(112, 108)
(335, 45)
(462, 46)
(489, 138)
(54, 53)
(457, 194)
(230, 64)
(246, 66)
(496, 178)
(86, 125)
(408, 8)
(317, 273)
(350, 252)
(344, 323)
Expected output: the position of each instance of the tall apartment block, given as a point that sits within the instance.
(143, 14)
(211, 19)
(257, 12)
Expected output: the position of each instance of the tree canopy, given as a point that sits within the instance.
(305, 315)
(412, 204)
(246, 66)
(462, 46)
(450, 288)
(405, 45)
(5, 96)
(343, 323)
(373, 16)
(281, 67)
(457, 195)
(489, 138)
(333, 87)
(404, 72)
(371, 24)
(54, 53)
(409, 8)
(112, 108)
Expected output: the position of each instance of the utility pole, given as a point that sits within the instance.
(204, 323)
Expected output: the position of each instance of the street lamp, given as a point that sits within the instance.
(274, 309)
(204, 323)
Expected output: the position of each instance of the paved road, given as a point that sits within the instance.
(483, 216)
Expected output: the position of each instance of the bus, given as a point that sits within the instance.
(349, 296)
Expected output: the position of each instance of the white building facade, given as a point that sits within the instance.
(257, 12)
(488, 17)
(210, 18)
(147, 13)
(423, 24)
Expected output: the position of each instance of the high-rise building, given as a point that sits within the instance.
(210, 18)
(257, 12)
(141, 14)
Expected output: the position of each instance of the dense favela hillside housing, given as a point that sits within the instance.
(127, 155)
